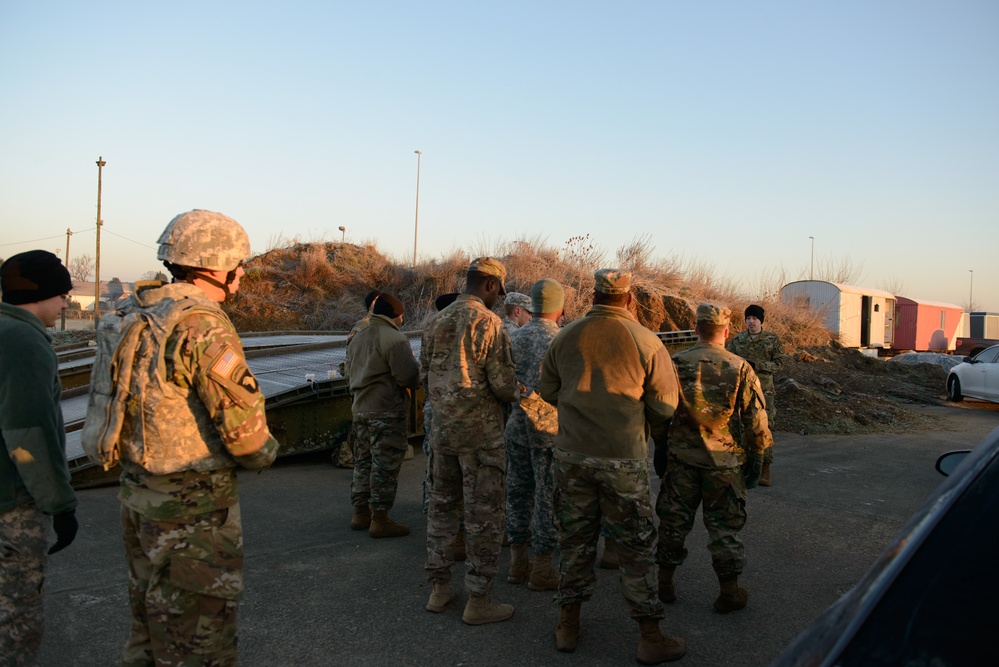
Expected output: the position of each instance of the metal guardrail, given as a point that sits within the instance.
(304, 416)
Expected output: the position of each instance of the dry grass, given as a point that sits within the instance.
(321, 286)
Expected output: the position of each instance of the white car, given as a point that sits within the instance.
(977, 377)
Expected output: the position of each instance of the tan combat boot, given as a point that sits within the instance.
(440, 597)
(480, 609)
(543, 577)
(653, 647)
(520, 564)
(361, 518)
(458, 554)
(567, 632)
(610, 559)
(765, 476)
(732, 597)
(383, 526)
(667, 589)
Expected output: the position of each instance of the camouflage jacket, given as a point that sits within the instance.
(611, 378)
(510, 325)
(381, 367)
(32, 434)
(467, 369)
(763, 350)
(715, 385)
(530, 343)
(194, 408)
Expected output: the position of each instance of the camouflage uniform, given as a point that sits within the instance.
(381, 367)
(344, 456)
(34, 477)
(468, 371)
(530, 437)
(765, 352)
(705, 460)
(180, 504)
(609, 377)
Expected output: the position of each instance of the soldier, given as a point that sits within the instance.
(381, 368)
(181, 410)
(343, 457)
(530, 437)
(517, 307)
(763, 350)
(467, 369)
(34, 477)
(440, 303)
(705, 462)
(611, 380)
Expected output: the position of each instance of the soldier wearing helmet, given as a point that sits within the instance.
(173, 401)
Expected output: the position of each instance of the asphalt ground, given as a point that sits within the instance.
(318, 593)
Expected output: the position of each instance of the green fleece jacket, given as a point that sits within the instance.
(33, 455)
(611, 378)
(380, 367)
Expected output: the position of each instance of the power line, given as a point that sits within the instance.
(144, 245)
(48, 238)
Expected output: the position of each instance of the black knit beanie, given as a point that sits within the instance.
(33, 276)
(755, 311)
(445, 300)
(389, 306)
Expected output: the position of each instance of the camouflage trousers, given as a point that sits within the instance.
(470, 485)
(379, 449)
(723, 492)
(736, 426)
(615, 494)
(530, 477)
(23, 533)
(184, 579)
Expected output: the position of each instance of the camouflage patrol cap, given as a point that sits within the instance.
(612, 281)
(204, 240)
(518, 299)
(713, 313)
(490, 266)
(547, 296)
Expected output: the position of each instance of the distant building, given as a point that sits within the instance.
(984, 325)
(859, 316)
(83, 294)
(926, 326)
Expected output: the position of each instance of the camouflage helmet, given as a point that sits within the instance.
(204, 240)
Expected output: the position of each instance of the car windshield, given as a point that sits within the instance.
(942, 608)
(988, 355)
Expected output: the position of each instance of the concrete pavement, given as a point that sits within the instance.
(318, 593)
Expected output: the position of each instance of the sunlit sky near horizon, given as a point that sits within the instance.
(727, 133)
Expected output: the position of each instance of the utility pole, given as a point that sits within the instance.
(416, 226)
(69, 233)
(971, 291)
(811, 267)
(97, 270)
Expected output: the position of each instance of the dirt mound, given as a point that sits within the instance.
(836, 390)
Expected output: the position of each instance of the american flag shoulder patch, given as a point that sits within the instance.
(225, 364)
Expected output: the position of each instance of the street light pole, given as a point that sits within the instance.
(97, 270)
(971, 291)
(343, 234)
(416, 224)
(811, 267)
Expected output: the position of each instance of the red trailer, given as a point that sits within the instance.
(926, 326)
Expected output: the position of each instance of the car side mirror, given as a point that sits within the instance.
(966, 360)
(948, 463)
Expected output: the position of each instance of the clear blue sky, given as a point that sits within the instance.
(728, 131)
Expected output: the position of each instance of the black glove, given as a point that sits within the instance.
(65, 527)
(659, 460)
(751, 470)
(660, 436)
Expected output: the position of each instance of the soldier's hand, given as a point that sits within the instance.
(751, 470)
(659, 458)
(65, 527)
